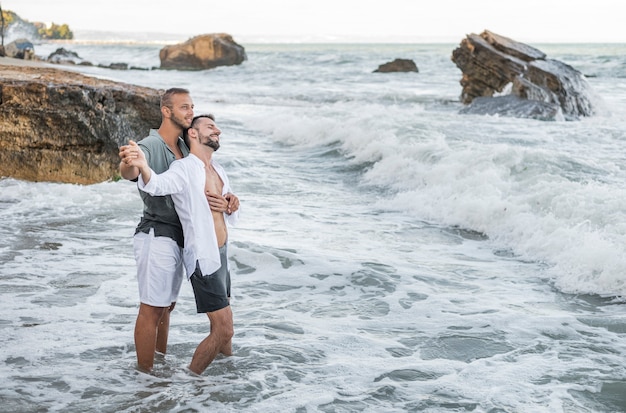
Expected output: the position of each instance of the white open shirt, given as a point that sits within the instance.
(185, 181)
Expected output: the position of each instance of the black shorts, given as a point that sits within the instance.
(212, 291)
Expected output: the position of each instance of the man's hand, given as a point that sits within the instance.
(233, 203)
(228, 203)
(129, 152)
(132, 155)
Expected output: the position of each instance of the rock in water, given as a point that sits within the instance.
(511, 105)
(63, 56)
(493, 64)
(66, 127)
(203, 52)
(398, 65)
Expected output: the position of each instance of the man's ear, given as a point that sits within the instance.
(166, 112)
(192, 133)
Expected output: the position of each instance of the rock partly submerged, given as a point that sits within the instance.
(506, 77)
(202, 52)
(63, 126)
(397, 65)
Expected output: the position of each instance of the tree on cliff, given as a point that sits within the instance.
(2, 31)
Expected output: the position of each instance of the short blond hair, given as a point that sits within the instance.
(166, 98)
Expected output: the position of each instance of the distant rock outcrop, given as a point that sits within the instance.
(398, 65)
(66, 127)
(495, 65)
(203, 52)
(66, 57)
(20, 49)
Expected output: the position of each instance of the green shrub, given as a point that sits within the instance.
(56, 32)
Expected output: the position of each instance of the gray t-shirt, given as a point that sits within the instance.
(158, 211)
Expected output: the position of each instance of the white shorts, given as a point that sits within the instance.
(159, 269)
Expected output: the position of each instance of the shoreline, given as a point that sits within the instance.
(36, 70)
(10, 61)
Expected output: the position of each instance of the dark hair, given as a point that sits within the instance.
(166, 98)
(193, 123)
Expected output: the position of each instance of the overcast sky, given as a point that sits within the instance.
(380, 20)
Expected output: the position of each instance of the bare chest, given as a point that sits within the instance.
(213, 182)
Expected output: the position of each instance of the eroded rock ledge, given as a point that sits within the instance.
(501, 73)
(62, 126)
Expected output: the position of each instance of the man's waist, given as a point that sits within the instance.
(162, 229)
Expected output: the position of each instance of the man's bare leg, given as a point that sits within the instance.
(163, 329)
(146, 334)
(227, 349)
(217, 341)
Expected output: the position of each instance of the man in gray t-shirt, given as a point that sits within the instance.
(158, 211)
(158, 239)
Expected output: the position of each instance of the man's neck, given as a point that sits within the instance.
(204, 153)
(169, 134)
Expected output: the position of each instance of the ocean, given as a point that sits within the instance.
(392, 255)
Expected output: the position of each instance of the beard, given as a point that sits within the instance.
(182, 123)
(215, 145)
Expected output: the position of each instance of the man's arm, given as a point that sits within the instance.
(134, 162)
(172, 181)
(127, 153)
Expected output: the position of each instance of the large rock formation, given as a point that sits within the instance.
(66, 127)
(494, 65)
(203, 52)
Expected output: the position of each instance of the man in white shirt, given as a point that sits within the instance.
(191, 181)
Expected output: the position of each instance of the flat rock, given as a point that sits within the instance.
(397, 65)
(63, 126)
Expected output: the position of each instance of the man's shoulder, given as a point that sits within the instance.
(187, 163)
(152, 140)
(190, 161)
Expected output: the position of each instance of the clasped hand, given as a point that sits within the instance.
(132, 155)
(228, 203)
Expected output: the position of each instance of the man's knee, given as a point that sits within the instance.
(222, 324)
(154, 314)
(228, 332)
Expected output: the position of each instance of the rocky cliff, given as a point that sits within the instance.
(62, 126)
(501, 72)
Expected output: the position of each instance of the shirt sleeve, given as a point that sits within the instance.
(233, 218)
(172, 181)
